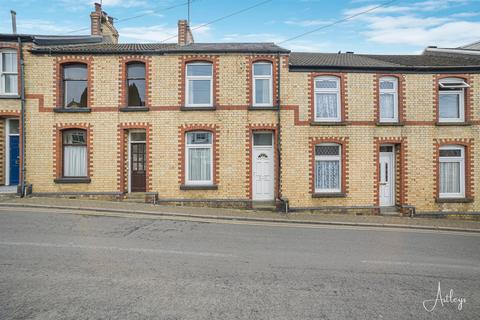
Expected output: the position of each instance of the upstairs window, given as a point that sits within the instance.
(74, 153)
(136, 84)
(328, 168)
(199, 89)
(327, 99)
(8, 72)
(75, 91)
(262, 84)
(451, 98)
(388, 88)
(452, 171)
(199, 164)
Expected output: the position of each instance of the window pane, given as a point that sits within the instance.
(449, 177)
(199, 164)
(9, 62)
(136, 70)
(138, 136)
(327, 175)
(74, 137)
(13, 126)
(262, 91)
(386, 148)
(326, 84)
(450, 153)
(75, 72)
(199, 138)
(75, 94)
(450, 106)
(326, 105)
(387, 105)
(11, 83)
(327, 150)
(136, 92)
(262, 139)
(262, 69)
(387, 85)
(199, 92)
(75, 161)
(199, 70)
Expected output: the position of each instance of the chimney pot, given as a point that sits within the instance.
(98, 7)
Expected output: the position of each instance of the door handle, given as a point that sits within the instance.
(383, 183)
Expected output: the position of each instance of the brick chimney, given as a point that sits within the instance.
(102, 25)
(185, 35)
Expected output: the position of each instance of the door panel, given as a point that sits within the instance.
(138, 172)
(387, 179)
(14, 159)
(263, 173)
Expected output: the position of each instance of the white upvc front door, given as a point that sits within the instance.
(263, 174)
(387, 178)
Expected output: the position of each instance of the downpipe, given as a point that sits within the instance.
(22, 118)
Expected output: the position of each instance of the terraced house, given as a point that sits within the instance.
(239, 123)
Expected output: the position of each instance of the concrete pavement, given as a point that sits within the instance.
(63, 266)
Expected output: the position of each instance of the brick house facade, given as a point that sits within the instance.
(349, 145)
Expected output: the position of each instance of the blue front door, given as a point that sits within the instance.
(14, 159)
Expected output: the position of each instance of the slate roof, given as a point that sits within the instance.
(110, 48)
(471, 46)
(306, 60)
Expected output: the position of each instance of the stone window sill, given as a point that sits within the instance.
(185, 108)
(327, 123)
(198, 187)
(329, 195)
(260, 108)
(462, 124)
(6, 96)
(75, 110)
(390, 124)
(73, 180)
(454, 200)
(134, 109)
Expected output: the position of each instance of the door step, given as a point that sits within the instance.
(141, 197)
(389, 211)
(269, 205)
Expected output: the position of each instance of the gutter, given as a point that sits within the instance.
(423, 69)
(22, 117)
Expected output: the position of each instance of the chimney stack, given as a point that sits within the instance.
(185, 36)
(102, 25)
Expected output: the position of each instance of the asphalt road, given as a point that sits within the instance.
(63, 266)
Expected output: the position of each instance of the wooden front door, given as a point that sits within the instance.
(138, 173)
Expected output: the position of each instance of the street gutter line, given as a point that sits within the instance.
(419, 264)
(248, 221)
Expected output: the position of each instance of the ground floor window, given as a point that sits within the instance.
(74, 153)
(199, 164)
(327, 167)
(452, 171)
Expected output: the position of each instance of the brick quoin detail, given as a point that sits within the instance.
(58, 147)
(401, 186)
(343, 141)
(468, 144)
(123, 128)
(59, 62)
(468, 94)
(6, 45)
(250, 130)
(122, 88)
(260, 58)
(182, 130)
(183, 61)
(401, 95)
(343, 94)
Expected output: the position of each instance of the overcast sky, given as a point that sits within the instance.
(402, 27)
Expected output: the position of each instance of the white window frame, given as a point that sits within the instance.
(460, 160)
(328, 158)
(337, 91)
(3, 74)
(262, 77)
(198, 146)
(393, 91)
(187, 85)
(457, 87)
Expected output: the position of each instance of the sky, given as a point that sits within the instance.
(402, 27)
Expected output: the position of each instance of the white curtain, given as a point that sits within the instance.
(449, 177)
(327, 175)
(262, 91)
(75, 161)
(327, 105)
(199, 92)
(387, 106)
(199, 164)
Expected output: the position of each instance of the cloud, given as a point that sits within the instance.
(159, 33)
(307, 23)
